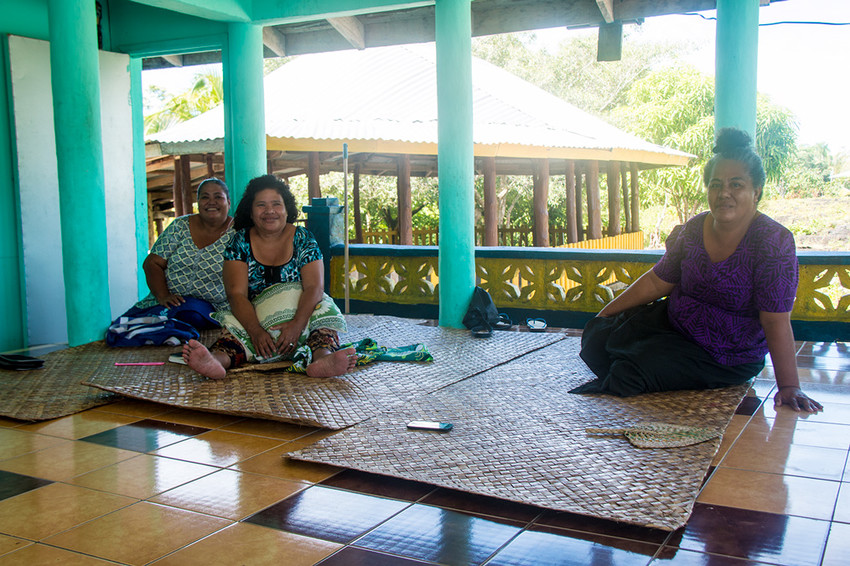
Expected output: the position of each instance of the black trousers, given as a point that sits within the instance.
(638, 351)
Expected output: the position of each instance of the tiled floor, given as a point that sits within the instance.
(138, 483)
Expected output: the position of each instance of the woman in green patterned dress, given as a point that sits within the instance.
(274, 278)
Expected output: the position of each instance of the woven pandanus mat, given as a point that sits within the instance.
(335, 402)
(56, 390)
(519, 435)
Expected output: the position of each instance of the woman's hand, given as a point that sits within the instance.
(794, 397)
(170, 300)
(290, 332)
(264, 344)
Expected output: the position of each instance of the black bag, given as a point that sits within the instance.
(482, 311)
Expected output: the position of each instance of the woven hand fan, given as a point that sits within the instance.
(660, 435)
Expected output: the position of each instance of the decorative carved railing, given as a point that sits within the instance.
(516, 237)
(563, 282)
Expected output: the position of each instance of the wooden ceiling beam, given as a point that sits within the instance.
(351, 29)
(274, 40)
(606, 8)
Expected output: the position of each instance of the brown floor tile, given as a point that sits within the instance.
(730, 435)
(329, 514)
(15, 443)
(821, 362)
(777, 456)
(558, 547)
(383, 486)
(823, 376)
(837, 546)
(65, 459)
(842, 505)
(799, 431)
(143, 476)
(51, 509)
(771, 493)
(826, 349)
(593, 525)
(229, 494)
(835, 413)
(271, 429)
(9, 423)
(199, 418)
(680, 557)
(244, 543)
(43, 554)
(79, 425)
(134, 408)
(439, 535)
(753, 535)
(275, 463)
(482, 505)
(219, 448)
(10, 544)
(353, 556)
(138, 534)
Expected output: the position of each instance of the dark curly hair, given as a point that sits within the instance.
(736, 144)
(215, 181)
(242, 217)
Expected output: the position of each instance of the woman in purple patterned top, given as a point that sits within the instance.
(730, 275)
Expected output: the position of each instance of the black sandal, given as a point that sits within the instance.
(482, 331)
(504, 323)
(18, 362)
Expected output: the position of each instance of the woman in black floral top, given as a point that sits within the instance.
(268, 249)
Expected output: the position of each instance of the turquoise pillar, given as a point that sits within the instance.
(140, 180)
(245, 125)
(12, 303)
(736, 64)
(79, 154)
(455, 159)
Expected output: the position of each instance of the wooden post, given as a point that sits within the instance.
(491, 204)
(177, 187)
(570, 188)
(188, 197)
(355, 191)
(580, 231)
(627, 203)
(313, 188)
(208, 158)
(613, 181)
(594, 214)
(540, 208)
(405, 202)
(635, 198)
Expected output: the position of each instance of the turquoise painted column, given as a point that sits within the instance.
(12, 304)
(736, 64)
(140, 180)
(79, 154)
(245, 125)
(455, 159)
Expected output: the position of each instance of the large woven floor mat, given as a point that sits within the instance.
(518, 435)
(55, 389)
(336, 402)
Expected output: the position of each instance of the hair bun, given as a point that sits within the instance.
(730, 139)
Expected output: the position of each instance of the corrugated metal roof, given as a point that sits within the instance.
(390, 94)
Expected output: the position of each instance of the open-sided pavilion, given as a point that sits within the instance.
(96, 155)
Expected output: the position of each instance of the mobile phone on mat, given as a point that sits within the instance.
(429, 425)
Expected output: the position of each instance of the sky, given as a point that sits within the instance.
(804, 67)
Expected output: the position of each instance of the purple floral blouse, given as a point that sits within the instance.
(717, 305)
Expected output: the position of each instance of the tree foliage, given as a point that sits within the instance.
(674, 107)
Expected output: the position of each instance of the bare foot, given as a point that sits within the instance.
(333, 364)
(202, 360)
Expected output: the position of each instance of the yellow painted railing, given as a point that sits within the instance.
(513, 237)
(559, 280)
